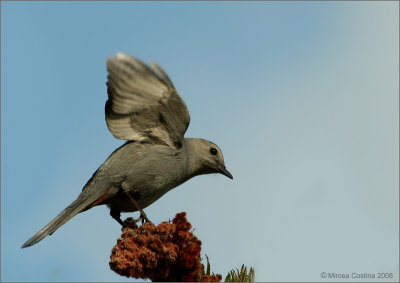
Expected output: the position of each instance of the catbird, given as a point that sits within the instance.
(144, 108)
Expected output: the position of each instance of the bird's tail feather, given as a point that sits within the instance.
(74, 208)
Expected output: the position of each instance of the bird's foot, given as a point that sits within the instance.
(143, 215)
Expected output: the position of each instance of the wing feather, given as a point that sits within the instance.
(143, 104)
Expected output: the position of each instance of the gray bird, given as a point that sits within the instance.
(144, 108)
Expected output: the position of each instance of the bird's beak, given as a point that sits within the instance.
(225, 172)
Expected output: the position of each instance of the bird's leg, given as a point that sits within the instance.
(117, 216)
(143, 215)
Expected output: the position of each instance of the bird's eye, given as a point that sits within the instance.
(213, 151)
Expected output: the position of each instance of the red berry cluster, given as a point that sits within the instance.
(167, 252)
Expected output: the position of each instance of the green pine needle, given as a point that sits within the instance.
(240, 276)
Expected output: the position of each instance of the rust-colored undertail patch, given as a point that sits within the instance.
(99, 201)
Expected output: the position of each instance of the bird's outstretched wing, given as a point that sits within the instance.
(143, 104)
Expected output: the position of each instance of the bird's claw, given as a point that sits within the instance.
(142, 217)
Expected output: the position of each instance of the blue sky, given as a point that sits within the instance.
(302, 98)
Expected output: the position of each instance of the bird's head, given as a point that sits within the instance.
(208, 158)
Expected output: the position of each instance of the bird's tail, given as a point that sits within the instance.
(80, 204)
